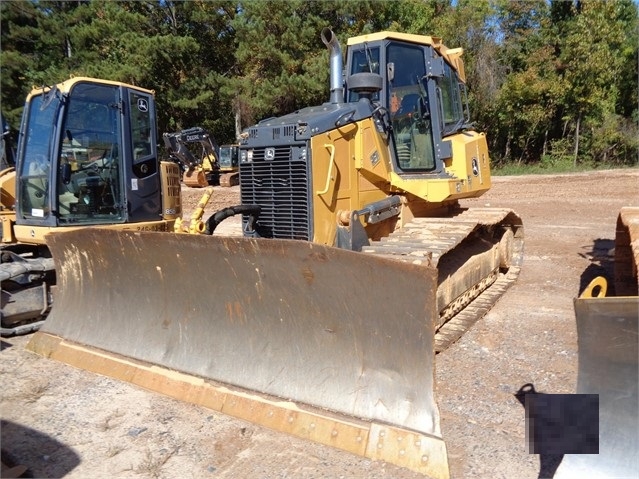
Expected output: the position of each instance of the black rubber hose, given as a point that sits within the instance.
(253, 211)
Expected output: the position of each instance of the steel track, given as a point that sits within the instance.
(426, 240)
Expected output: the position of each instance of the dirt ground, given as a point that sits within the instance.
(63, 422)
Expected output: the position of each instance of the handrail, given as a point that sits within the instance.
(330, 170)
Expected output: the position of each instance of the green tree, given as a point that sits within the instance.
(471, 25)
(541, 75)
(282, 64)
(415, 16)
(192, 59)
(34, 45)
(628, 100)
(527, 102)
(590, 41)
(179, 49)
(182, 50)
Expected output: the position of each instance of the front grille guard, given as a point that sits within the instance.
(277, 179)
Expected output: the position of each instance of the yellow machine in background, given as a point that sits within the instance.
(357, 264)
(198, 171)
(229, 165)
(608, 338)
(86, 157)
(214, 164)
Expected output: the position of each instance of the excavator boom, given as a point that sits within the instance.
(201, 171)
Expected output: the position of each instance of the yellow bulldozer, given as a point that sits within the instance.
(355, 266)
(608, 343)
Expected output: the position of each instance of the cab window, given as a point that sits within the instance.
(90, 157)
(141, 126)
(450, 99)
(408, 107)
(364, 61)
(35, 168)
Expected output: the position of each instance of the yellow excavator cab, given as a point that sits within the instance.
(87, 157)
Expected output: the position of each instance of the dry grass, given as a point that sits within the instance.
(34, 391)
(110, 421)
(152, 465)
(115, 450)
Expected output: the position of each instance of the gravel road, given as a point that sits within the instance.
(63, 422)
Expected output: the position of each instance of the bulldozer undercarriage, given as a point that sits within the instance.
(27, 284)
(478, 253)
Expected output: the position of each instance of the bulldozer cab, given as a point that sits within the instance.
(87, 155)
(424, 94)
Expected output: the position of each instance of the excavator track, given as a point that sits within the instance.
(230, 179)
(26, 292)
(433, 240)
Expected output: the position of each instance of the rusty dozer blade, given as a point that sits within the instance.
(325, 344)
(608, 366)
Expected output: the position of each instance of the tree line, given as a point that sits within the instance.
(549, 80)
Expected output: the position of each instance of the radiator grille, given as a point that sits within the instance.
(281, 187)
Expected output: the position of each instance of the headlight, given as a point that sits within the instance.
(246, 156)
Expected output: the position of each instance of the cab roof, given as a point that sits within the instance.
(67, 85)
(451, 55)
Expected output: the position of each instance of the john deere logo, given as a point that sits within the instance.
(475, 166)
(269, 154)
(143, 106)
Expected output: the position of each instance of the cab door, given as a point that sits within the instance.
(143, 185)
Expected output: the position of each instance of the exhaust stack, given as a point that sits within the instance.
(337, 81)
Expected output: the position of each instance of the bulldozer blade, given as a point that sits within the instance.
(608, 366)
(325, 344)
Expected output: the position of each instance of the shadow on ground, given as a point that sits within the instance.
(602, 257)
(40, 454)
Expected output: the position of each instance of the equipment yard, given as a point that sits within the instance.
(59, 421)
